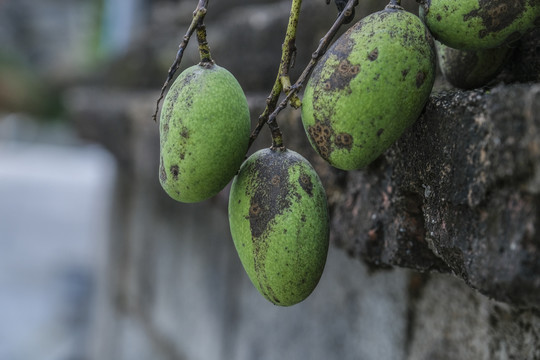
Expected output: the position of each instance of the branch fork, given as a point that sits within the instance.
(282, 82)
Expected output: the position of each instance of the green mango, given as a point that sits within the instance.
(279, 222)
(479, 24)
(204, 133)
(470, 69)
(371, 84)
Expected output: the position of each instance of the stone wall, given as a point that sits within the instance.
(435, 247)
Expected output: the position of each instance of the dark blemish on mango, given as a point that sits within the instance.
(324, 151)
(343, 67)
(373, 55)
(343, 48)
(344, 141)
(174, 171)
(342, 76)
(254, 210)
(404, 73)
(173, 95)
(188, 79)
(496, 15)
(305, 182)
(321, 135)
(164, 132)
(267, 200)
(438, 17)
(184, 132)
(420, 78)
(379, 132)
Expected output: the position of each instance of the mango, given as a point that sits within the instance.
(479, 24)
(470, 69)
(279, 222)
(204, 133)
(371, 84)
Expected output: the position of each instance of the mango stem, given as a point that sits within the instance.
(394, 4)
(198, 17)
(272, 108)
(204, 49)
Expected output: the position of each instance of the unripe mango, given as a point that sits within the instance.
(371, 85)
(204, 133)
(279, 223)
(470, 69)
(479, 24)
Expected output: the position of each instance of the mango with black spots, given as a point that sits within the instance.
(479, 24)
(204, 133)
(370, 85)
(279, 222)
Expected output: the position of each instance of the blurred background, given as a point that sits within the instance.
(96, 262)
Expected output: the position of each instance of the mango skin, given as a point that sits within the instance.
(204, 133)
(279, 222)
(471, 69)
(371, 84)
(479, 24)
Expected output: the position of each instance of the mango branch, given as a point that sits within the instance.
(270, 117)
(317, 54)
(287, 52)
(198, 17)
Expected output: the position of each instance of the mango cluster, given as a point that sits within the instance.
(475, 37)
(367, 89)
(278, 208)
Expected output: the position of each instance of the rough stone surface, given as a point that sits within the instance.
(458, 192)
(452, 322)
